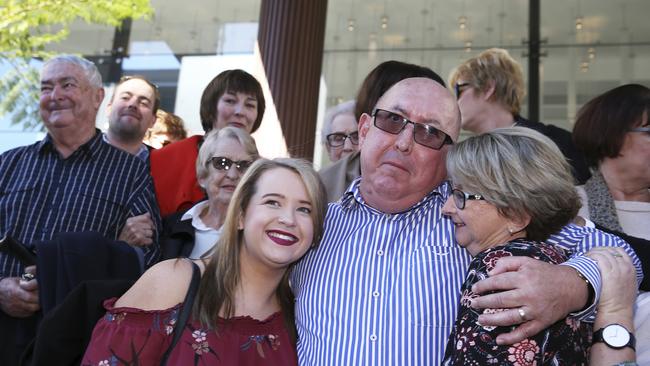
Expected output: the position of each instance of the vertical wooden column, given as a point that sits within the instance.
(291, 37)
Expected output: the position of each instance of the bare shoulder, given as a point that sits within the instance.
(161, 287)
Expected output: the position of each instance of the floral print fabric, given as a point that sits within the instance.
(564, 343)
(128, 336)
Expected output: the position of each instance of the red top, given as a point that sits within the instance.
(173, 169)
(140, 337)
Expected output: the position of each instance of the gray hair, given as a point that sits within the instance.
(211, 140)
(332, 113)
(90, 70)
(520, 171)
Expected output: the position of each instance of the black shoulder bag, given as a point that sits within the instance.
(185, 312)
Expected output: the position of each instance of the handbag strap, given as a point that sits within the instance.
(185, 312)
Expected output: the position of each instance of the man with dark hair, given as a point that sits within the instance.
(71, 181)
(131, 112)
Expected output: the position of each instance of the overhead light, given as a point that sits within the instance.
(462, 22)
(584, 66)
(578, 23)
(384, 22)
(591, 52)
(351, 24)
(468, 46)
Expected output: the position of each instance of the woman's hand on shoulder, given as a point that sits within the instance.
(161, 287)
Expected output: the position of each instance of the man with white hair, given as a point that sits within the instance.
(71, 181)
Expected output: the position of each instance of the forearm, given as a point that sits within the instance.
(603, 355)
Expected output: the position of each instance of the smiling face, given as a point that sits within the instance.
(277, 223)
(68, 103)
(634, 157)
(130, 112)
(480, 226)
(398, 172)
(220, 184)
(236, 109)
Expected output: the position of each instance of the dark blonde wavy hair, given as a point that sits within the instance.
(222, 272)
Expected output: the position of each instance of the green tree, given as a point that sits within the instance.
(27, 26)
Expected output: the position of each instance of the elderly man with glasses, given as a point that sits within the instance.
(382, 286)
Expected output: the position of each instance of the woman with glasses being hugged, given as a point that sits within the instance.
(512, 189)
(223, 158)
(243, 311)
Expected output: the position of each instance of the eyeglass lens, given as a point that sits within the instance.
(426, 135)
(221, 163)
(338, 139)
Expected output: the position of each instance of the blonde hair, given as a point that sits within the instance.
(494, 65)
(222, 273)
(520, 171)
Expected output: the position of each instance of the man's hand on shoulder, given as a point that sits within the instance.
(18, 297)
(138, 230)
(534, 293)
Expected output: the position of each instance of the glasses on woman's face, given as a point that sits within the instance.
(337, 139)
(424, 135)
(221, 163)
(461, 197)
(645, 129)
(459, 88)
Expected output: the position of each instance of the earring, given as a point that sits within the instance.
(511, 230)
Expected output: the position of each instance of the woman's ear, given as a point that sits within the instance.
(519, 223)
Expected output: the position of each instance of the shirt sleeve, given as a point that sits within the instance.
(578, 241)
(141, 201)
(130, 336)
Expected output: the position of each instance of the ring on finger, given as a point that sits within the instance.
(522, 313)
(617, 255)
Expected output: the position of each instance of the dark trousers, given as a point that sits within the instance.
(15, 335)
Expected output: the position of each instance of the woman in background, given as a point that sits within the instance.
(223, 159)
(233, 98)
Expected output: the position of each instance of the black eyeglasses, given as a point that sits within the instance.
(425, 135)
(460, 197)
(338, 139)
(458, 89)
(641, 129)
(221, 163)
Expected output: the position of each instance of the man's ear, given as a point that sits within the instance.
(364, 125)
(99, 97)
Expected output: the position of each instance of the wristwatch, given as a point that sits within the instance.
(615, 336)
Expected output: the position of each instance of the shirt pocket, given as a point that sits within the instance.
(433, 283)
(98, 211)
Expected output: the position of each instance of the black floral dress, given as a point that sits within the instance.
(564, 343)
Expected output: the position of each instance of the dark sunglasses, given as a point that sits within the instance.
(221, 163)
(338, 139)
(425, 135)
(461, 197)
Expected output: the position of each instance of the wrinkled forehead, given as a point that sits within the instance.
(425, 101)
(60, 70)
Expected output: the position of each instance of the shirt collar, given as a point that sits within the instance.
(142, 154)
(352, 197)
(194, 214)
(91, 147)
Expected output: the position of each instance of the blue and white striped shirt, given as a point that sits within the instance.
(383, 289)
(95, 189)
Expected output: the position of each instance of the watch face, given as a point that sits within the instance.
(615, 335)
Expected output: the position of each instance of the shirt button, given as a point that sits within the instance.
(373, 338)
(380, 252)
(375, 294)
